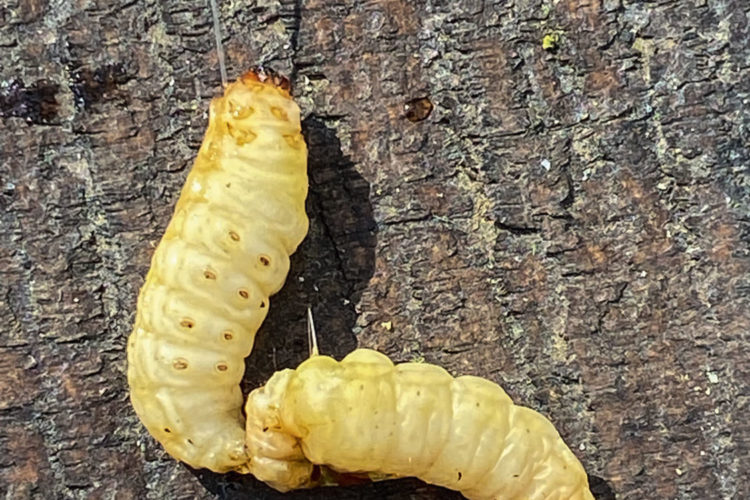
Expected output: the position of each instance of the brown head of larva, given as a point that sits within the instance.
(267, 75)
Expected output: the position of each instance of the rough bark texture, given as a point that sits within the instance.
(572, 222)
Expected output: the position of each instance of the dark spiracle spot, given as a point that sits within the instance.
(600, 488)
(418, 109)
(36, 103)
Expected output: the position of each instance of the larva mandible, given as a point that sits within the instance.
(240, 215)
(367, 415)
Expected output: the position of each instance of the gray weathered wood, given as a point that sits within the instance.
(571, 222)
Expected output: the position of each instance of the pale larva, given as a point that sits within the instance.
(365, 415)
(240, 215)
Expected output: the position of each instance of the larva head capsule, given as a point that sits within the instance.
(267, 75)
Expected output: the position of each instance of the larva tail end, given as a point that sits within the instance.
(267, 75)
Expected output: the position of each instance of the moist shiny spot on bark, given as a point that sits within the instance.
(35, 103)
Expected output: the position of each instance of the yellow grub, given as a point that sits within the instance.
(367, 415)
(226, 249)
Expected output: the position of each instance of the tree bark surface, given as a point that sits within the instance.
(571, 221)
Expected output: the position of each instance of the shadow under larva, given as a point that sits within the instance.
(600, 488)
(243, 487)
(332, 282)
(328, 273)
(330, 269)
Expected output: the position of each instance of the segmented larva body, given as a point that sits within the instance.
(365, 415)
(240, 215)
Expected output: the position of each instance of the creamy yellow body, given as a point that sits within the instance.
(367, 415)
(240, 215)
